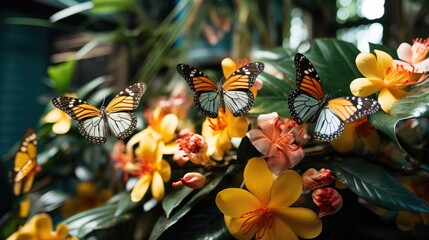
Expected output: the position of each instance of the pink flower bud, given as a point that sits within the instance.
(193, 180)
(328, 199)
(312, 179)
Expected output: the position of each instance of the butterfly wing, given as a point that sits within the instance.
(236, 89)
(122, 124)
(328, 127)
(338, 111)
(207, 96)
(25, 163)
(128, 99)
(93, 129)
(76, 108)
(121, 121)
(91, 124)
(306, 102)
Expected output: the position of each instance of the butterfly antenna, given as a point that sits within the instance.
(104, 99)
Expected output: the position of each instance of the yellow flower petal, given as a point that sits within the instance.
(304, 222)
(259, 179)
(406, 221)
(228, 67)
(280, 229)
(368, 66)
(61, 230)
(53, 116)
(363, 87)
(289, 180)
(157, 186)
(165, 170)
(140, 188)
(62, 126)
(43, 223)
(384, 61)
(347, 140)
(234, 227)
(23, 236)
(24, 207)
(386, 100)
(170, 148)
(234, 202)
(168, 127)
(237, 126)
(223, 144)
(148, 146)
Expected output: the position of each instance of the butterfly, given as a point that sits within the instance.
(117, 118)
(232, 92)
(309, 103)
(25, 164)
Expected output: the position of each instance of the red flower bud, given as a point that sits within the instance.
(193, 180)
(328, 199)
(312, 179)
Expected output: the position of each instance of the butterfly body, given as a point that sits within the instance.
(232, 93)
(308, 103)
(25, 163)
(116, 119)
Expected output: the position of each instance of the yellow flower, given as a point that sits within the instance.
(406, 220)
(265, 212)
(152, 169)
(381, 75)
(39, 227)
(356, 134)
(61, 121)
(164, 127)
(218, 132)
(88, 195)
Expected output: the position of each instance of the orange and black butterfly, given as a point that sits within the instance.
(117, 118)
(25, 164)
(232, 92)
(309, 103)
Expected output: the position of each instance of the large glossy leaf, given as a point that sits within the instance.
(334, 61)
(415, 105)
(99, 218)
(165, 223)
(174, 199)
(378, 187)
(215, 229)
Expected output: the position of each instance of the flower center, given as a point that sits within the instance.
(220, 122)
(397, 76)
(286, 137)
(363, 128)
(146, 167)
(261, 219)
(420, 50)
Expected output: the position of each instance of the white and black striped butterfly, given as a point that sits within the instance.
(117, 118)
(309, 103)
(232, 92)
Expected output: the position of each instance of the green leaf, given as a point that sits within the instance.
(164, 223)
(111, 6)
(334, 61)
(61, 75)
(124, 202)
(174, 199)
(390, 51)
(89, 221)
(215, 229)
(378, 187)
(272, 97)
(91, 86)
(415, 105)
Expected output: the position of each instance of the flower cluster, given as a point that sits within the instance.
(389, 78)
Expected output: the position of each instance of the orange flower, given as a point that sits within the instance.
(275, 140)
